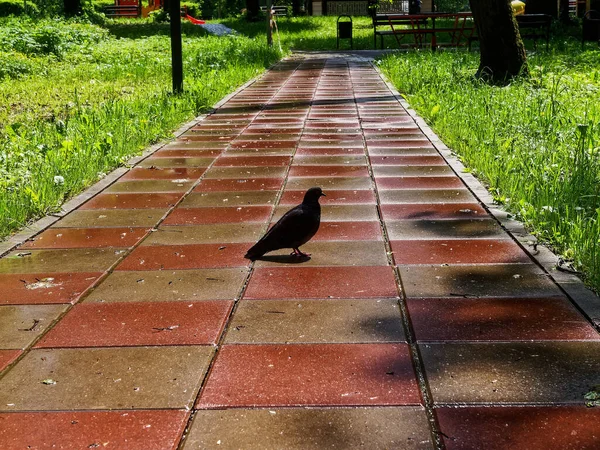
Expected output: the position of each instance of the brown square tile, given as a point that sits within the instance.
(86, 238)
(295, 375)
(131, 430)
(338, 213)
(233, 214)
(316, 321)
(204, 234)
(403, 151)
(311, 429)
(444, 229)
(105, 378)
(329, 183)
(321, 282)
(241, 184)
(331, 253)
(139, 323)
(407, 160)
(561, 372)
(189, 256)
(44, 288)
(170, 285)
(498, 280)
(432, 211)
(412, 171)
(158, 173)
(168, 152)
(232, 198)
(332, 197)
(330, 151)
(520, 428)
(349, 231)
(21, 325)
(67, 260)
(427, 196)
(330, 160)
(132, 201)
(176, 162)
(92, 218)
(384, 183)
(6, 358)
(245, 172)
(251, 161)
(492, 319)
(328, 171)
(150, 186)
(458, 251)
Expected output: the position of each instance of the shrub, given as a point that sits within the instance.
(18, 8)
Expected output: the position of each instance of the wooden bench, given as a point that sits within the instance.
(534, 27)
(422, 25)
(277, 10)
(115, 11)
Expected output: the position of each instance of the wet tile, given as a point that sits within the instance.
(294, 375)
(176, 162)
(133, 430)
(332, 197)
(67, 260)
(338, 213)
(132, 201)
(105, 378)
(349, 231)
(413, 171)
(329, 183)
(325, 160)
(190, 256)
(321, 282)
(349, 428)
(234, 214)
(112, 218)
(329, 151)
(316, 321)
(231, 198)
(559, 372)
(328, 171)
(139, 323)
(44, 288)
(432, 211)
(384, 183)
(168, 152)
(157, 173)
(407, 160)
(245, 172)
(21, 325)
(203, 234)
(6, 358)
(170, 285)
(241, 184)
(458, 251)
(518, 319)
(444, 229)
(498, 280)
(403, 151)
(426, 195)
(86, 238)
(251, 161)
(150, 186)
(520, 428)
(330, 253)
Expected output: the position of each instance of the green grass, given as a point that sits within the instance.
(535, 143)
(78, 100)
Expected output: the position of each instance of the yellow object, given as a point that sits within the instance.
(517, 7)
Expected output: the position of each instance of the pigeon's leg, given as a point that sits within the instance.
(297, 252)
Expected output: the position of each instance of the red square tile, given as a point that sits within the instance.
(321, 282)
(408, 160)
(491, 319)
(428, 211)
(520, 428)
(330, 151)
(458, 251)
(167, 152)
(7, 357)
(132, 201)
(87, 238)
(139, 323)
(156, 173)
(349, 231)
(332, 197)
(244, 184)
(235, 214)
(252, 161)
(328, 171)
(131, 430)
(45, 288)
(311, 374)
(196, 256)
(418, 182)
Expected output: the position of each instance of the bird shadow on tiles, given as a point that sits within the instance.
(284, 259)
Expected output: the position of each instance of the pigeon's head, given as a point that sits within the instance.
(313, 195)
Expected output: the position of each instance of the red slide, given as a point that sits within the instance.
(194, 20)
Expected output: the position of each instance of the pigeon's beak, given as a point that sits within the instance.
(323, 195)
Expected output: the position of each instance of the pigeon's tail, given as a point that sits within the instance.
(256, 251)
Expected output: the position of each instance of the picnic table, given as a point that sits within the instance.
(458, 26)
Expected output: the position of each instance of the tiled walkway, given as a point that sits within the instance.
(135, 322)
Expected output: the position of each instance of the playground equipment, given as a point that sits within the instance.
(135, 8)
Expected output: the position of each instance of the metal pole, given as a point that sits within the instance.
(269, 29)
(176, 52)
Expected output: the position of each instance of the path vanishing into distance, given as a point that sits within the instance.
(134, 321)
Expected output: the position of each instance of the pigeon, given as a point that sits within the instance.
(294, 229)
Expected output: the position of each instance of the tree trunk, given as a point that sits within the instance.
(564, 12)
(502, 51)
(252, 10)
(72, 7)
